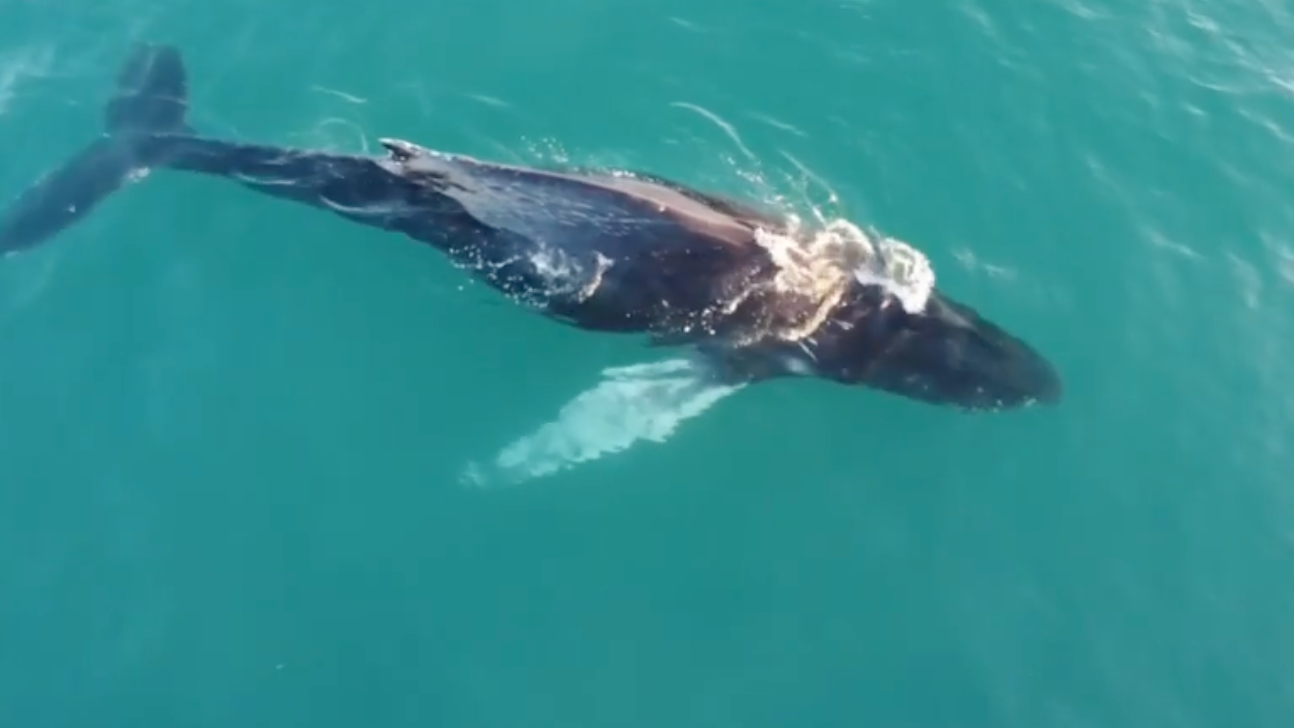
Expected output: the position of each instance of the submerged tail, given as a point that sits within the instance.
(151, 98)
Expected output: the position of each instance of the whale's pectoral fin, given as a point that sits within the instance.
(630, 404)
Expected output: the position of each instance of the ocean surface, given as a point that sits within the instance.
(234, 431)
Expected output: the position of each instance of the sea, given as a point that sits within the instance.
(237, 434)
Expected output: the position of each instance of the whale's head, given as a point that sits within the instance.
(946, 354)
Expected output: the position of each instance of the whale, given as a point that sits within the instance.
(732, 286)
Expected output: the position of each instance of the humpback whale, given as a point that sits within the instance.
(602, 250)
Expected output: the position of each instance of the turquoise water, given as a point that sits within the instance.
(231, 430)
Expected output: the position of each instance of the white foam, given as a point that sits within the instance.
(903, 271)
(565, 276)
(814, 262)
(644, 402)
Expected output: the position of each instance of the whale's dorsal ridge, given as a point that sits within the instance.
(401, 150)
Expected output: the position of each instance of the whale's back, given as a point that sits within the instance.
(582, 209)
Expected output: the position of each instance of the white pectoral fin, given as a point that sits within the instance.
(630, 404)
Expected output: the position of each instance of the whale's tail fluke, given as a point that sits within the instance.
(152, 93)
(151, 98)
